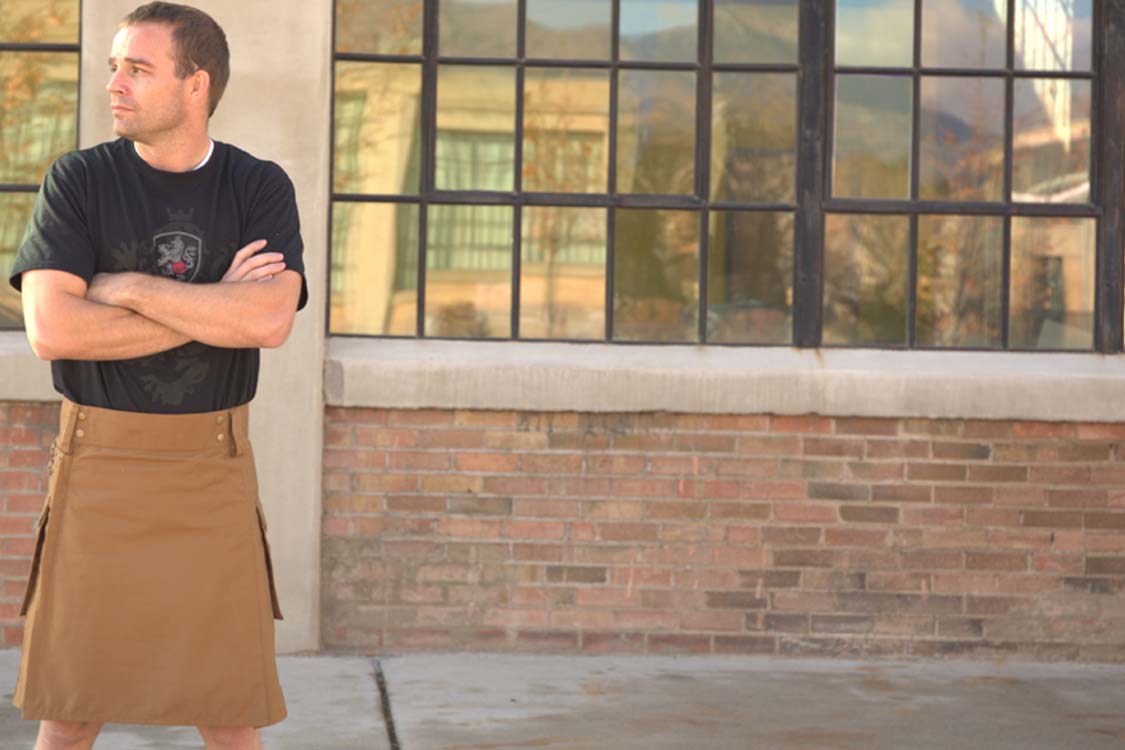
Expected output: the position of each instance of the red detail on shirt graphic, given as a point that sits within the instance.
(179, 267)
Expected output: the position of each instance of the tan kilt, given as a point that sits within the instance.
(151, 597)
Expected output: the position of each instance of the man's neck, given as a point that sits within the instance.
(177, 156)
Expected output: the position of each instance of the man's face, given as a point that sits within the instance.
(146, 97)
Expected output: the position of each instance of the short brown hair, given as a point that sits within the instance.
(200, 43)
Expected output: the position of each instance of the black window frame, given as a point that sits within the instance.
(815, 69)
(40, 47)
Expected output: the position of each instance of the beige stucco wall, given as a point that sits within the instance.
(276, 107)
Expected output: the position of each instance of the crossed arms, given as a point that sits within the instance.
(127, 315)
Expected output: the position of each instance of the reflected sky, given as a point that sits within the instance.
(875, 32)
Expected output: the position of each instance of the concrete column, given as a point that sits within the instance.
(276, 106)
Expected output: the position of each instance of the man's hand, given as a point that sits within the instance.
(249, 267)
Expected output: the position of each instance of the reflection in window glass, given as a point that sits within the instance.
(866, 258)
(477, 28)
(750, 277)
(469, 271)
(962, 133)
(875, 32)
(660, 30)
(569, 29)
(374, 268)
(656, 132)
(39, 21)
(377, 128)
(1052, 290)
(476, 118)
(960, 283)
(15, 211)
(656, 275)
(38, 112)
(384, 27)
(1051, 146)
(562, 273)
(755, 31)
(964, 33)
(1053, 34)
(565, 130)
(754, 137)
(871, 150)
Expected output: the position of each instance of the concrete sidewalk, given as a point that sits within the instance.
(516, 702)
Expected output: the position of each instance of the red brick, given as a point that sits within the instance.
(743, 511)
(623, 464)
(383, 437)
(804, 424)
(643, 487)
(354, 459)
(849, 447)
(876, 471)
(629, 532)
(935, 472)
(902, 493)
(855, 537)
(791, 535)
(945, 515)
(945, 427)
(759, 490)
(963, 494)
(1077, 498)
(964, 583)
(931, 559)
(896, 449)
(1044, 430)
(997, 473)
(551, 463)
(804, 513)
(1059, 519)
(769, 445)
(452, 438)
(465, 418)
(740, 422)
(866, 426)
(986, 429)
(996, 561)
(869, 514)
(963, 451)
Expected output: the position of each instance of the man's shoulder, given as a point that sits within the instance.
(87, 161)
(245, 162)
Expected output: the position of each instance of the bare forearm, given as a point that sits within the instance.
(103, 332)
(232, 315)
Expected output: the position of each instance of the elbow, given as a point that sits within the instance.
(43, 346)
(275, 332)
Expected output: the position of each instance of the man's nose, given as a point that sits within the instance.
(114, 83)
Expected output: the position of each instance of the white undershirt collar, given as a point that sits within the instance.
(210, 150)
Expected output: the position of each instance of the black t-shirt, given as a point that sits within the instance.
(105, 209)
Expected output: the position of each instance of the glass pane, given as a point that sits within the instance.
(384, 27)
(469, 271)
(569, 29)
(754, 137)
(962, 132)
(15, 211)
(755, 31)
(39, 21)
(866, 258)
(378, 128)
(964, 33)
(1051, 146)
(38, 112)
(960, 282)
(1053, 34)
(562, 273)
(664, 30)
(476, 119)
(656, 132)
(374, 285)
(566, 130)
(750, 277)
(656, 275)
(477, 28)
(872, 144)
(1052, 297)
(875, 32)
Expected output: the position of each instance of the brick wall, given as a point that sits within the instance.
(671, 533)
(26, 432)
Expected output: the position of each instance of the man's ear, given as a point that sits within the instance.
(200, 83)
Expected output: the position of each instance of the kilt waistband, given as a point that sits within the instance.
(126, 430)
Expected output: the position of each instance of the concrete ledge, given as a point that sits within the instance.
(23, 376)
(417, 373)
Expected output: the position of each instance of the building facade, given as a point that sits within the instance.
(689, 326)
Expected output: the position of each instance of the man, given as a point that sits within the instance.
(153, 269)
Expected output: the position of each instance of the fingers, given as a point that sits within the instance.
(264, 272)
(245, 262)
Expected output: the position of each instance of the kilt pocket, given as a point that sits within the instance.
(269, 562)
(37, 558)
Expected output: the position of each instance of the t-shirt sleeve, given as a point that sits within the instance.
(57, 236)
(273, 217)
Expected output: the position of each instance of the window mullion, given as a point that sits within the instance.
(1109, 124)
(815, 55)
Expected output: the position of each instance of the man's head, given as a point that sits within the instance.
(168, 63)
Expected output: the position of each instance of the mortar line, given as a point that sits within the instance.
(385, 703)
